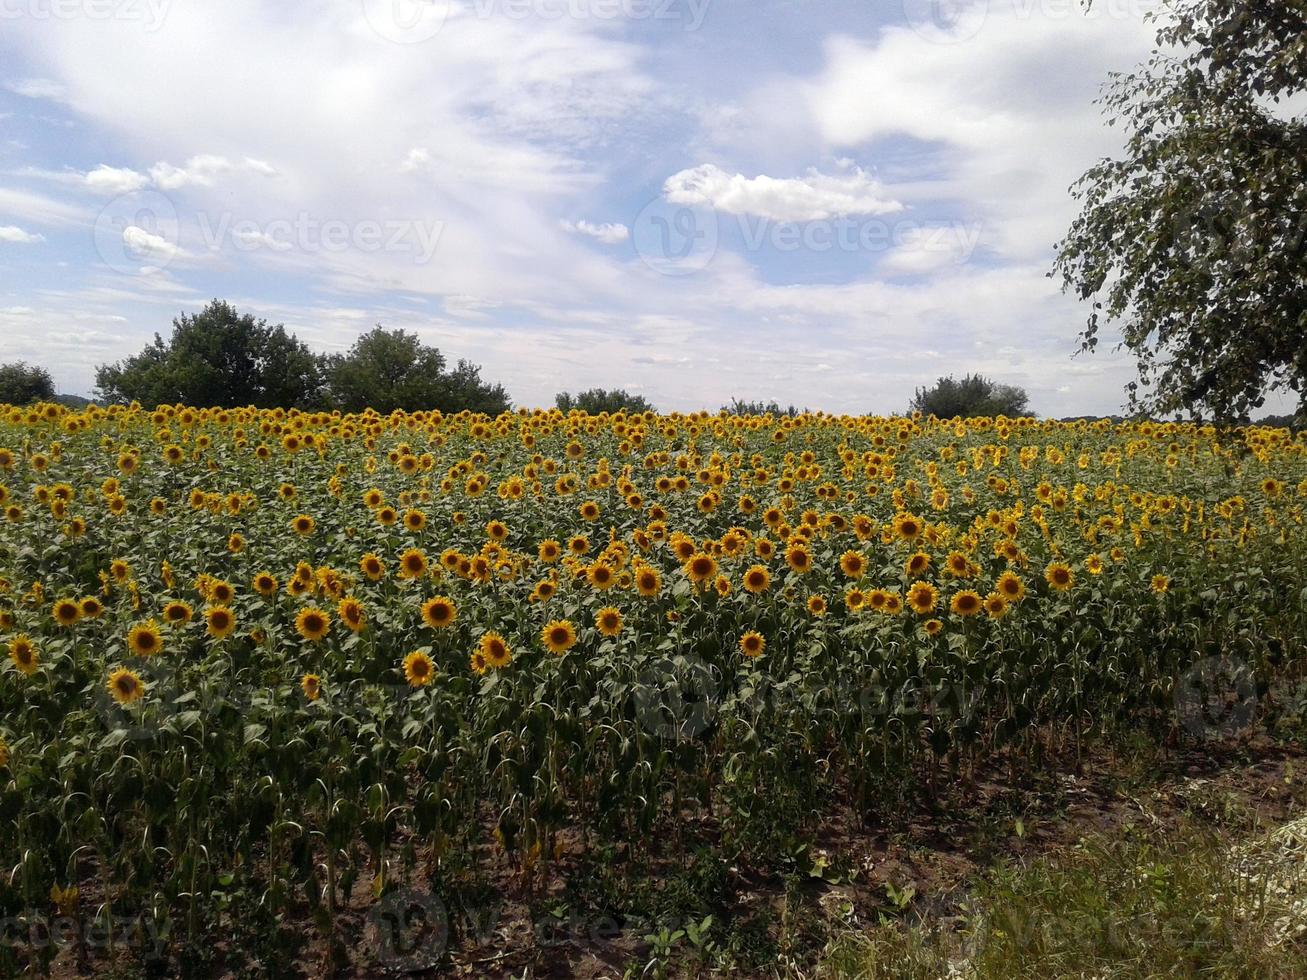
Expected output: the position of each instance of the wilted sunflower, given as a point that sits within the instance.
(608, 621)
(439, 611)
(752, 644)
(144, 639)
(125, 686)
(419, 671)
(24, 654)
(312, 623)
(558, 636)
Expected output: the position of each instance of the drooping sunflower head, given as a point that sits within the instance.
(419, 671)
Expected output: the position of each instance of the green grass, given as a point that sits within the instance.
(1133, 904)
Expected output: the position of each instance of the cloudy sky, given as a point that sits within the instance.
(826, 202)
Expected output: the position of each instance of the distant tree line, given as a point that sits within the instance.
(221, 357)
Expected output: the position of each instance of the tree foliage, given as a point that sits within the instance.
(217, 357)
(972, 396)
(1194, 243)
(597, 400)
(22, 383)
(739, 406)
(221, 357)
(392, 369)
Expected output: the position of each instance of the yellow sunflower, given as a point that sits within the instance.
(1059, 576)
(24, 654)
(419, 671)
(125, 686)
(311, 685)
(608, 621)
(219, 621)
(966, 603)
(66, 612)
(558, 636)
(495, 650)
(439, 611)
(144, 639)
(312, 623)
(752, 644)
(922, 597)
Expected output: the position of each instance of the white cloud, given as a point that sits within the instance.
(17, 236)
(204, 170)
(37, 88)
(115, 180)
(608, 233)
(147, 243)
(813, 197)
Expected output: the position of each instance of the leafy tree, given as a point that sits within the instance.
(392, 369)
(598, 400)
(739, 406)
(1194, 243)
(22, 384)
(970, 397)
(217, 357)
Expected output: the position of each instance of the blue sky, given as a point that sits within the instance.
(826, 203)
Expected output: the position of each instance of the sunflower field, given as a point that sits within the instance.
(307, 659)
